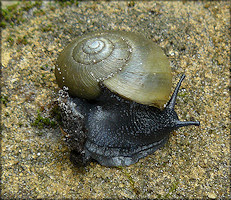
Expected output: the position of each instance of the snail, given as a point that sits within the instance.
(114, 98)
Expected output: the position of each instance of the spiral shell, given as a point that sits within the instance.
(126, 63)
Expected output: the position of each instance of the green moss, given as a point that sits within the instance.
(3, 24)
(13, 14)
(42, 122)
(48, 122)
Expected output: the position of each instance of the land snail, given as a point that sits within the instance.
(114, 98)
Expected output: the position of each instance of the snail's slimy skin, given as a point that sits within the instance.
(114, 80)
(118, 132)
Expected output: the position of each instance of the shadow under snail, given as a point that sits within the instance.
(115, 85)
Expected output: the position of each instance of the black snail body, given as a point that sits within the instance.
(110, 116)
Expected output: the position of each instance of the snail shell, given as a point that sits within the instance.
(126, 63)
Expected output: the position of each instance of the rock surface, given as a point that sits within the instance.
(193, 164)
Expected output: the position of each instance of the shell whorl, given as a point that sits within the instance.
(98, 49)
(126, 63)
(103, 55)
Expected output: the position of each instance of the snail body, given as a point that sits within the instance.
(118, 84)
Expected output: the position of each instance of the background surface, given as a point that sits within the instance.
(35, 160)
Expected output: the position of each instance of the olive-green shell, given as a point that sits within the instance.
(126, 63)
